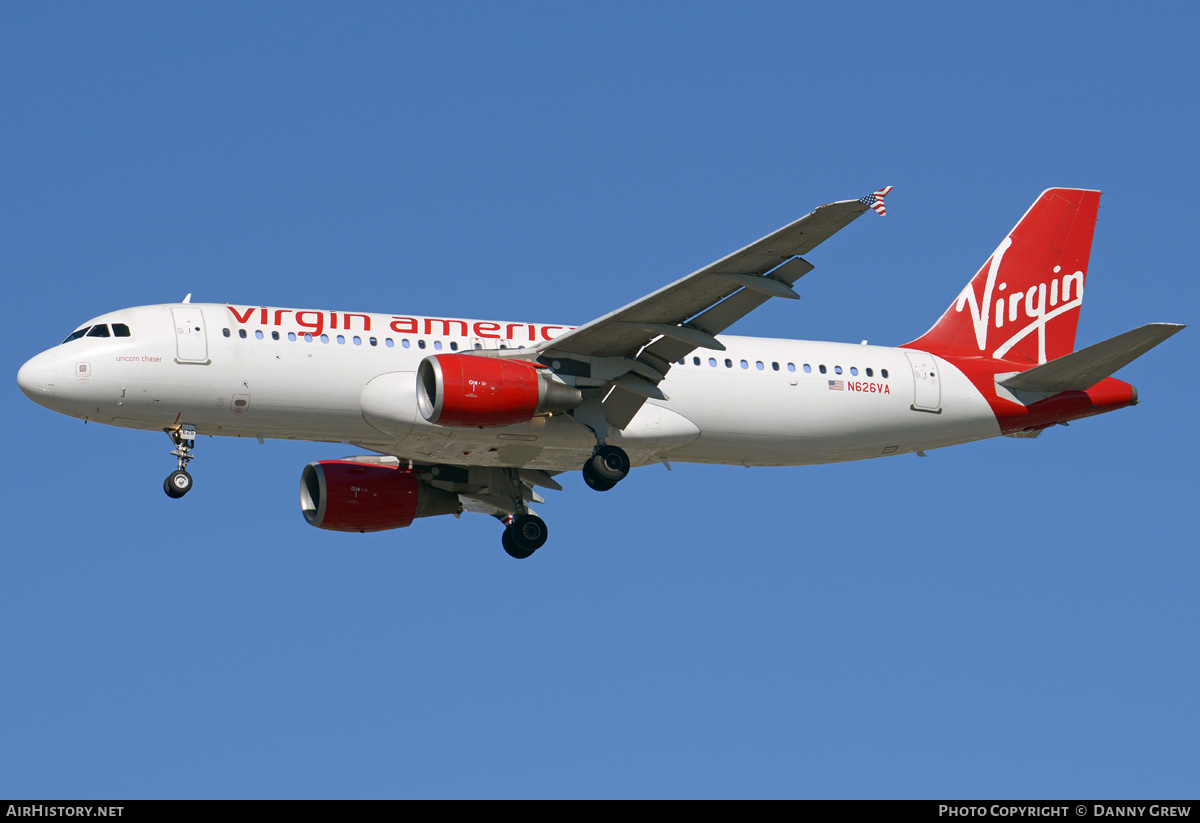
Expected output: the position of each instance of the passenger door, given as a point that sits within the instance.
(191, 342)
(927, 388)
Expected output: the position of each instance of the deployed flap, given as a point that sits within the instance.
(537, 477)
(1085, 368)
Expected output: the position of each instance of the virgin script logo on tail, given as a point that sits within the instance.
(1038, 305)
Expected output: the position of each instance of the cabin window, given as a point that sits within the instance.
(404, 343)
(791, 366)
(822, 369)
(745, 365)
(854, 370)
(292, 336)
(837, 369)
(728, 363)
(437, 344)
(120, 330)
(242, 333)
(712, 361)
(341, 338)
(225, 332)
(421, 344)
(274, 335)
(695, 361)
(774, 365)
(258, 335)
(357, 340)
(758, 364)
(453, 346)
(308, 337)
(374, 341)
(807, 369)
(389, 343)
(324, 338)
(870, 373)
(883, 373)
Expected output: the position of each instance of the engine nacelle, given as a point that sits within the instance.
(469, 391)
(347, 496)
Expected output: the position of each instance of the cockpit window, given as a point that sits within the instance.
(99, 330)
(120, 330)
(75, 335)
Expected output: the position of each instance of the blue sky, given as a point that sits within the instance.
(1004, 619)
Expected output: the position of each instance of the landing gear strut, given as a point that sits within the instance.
(606, 468)
(179, 482)
(608, 465)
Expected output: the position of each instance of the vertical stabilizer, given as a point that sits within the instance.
(1023, 305)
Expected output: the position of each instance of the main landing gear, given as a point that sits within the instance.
(606, 468)
(524, 531)
(525, 534)
(608, 465)
(179, 482)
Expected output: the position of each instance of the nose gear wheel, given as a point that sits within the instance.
(179, 482)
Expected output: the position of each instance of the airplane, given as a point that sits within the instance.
(466, 415)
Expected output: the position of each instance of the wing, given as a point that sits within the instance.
(632, 348)
(481, 489)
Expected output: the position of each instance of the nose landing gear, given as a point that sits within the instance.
(179, 482)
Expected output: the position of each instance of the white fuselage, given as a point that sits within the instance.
(350, 378)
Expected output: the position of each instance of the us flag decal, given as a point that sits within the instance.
(837, 385)
(875, 201)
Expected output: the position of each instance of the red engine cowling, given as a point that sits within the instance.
(347, 496)
(469, 391)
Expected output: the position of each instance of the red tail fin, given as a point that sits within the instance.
(1023, 305)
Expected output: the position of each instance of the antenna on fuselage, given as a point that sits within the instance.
(187, 299)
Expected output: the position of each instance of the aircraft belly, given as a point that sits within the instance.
(552, 442)
(547, 441)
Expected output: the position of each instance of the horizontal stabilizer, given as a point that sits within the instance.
(1079, 371)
